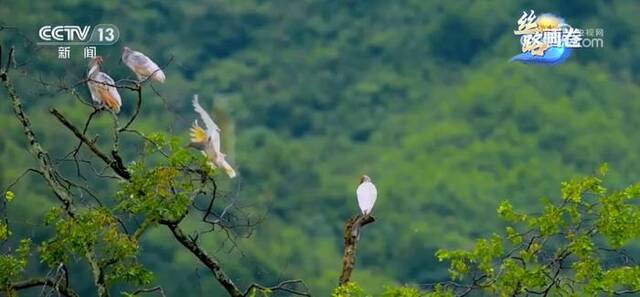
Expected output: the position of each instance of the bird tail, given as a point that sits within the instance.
(228, 169)
(112, 104)
(230, 172)
(110, 101)
(159, 76)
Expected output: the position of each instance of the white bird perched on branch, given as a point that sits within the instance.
(141, 65)
(102, 86)
(208, 141)
(367, 195)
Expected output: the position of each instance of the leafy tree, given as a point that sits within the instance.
(160, 188)
(572, 248)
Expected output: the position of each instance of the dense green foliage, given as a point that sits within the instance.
(572, 248)
(417, 94)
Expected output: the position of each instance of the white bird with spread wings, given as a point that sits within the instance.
(367, 195)
(141, 65)
(208, 141)
(102, 87)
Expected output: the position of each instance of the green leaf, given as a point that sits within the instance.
(8, 195)
(603, 169)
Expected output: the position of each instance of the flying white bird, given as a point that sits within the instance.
(102, 87)
(141, 65)
(208, 141)
(367, 195)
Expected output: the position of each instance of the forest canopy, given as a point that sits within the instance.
(419, 95)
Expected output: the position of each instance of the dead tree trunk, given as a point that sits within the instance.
(351, 237)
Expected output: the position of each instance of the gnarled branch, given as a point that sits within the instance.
(57, 183)
(351, 237)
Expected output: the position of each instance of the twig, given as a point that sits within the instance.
(283, 286)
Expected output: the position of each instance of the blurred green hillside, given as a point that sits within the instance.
(417, 94)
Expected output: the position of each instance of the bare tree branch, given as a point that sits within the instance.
(285, 286)
(115, 163)
(149, 290)
(39, 282)
(205, 259)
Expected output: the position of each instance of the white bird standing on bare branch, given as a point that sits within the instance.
(141, 65)
(208, 141)
(367, 195)
(102, 86)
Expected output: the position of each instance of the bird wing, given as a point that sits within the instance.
(367, 195)
(103, 90)
(198, 135)
(212, 129)
(93, 89)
